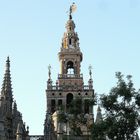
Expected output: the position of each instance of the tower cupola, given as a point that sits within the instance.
(70, 25)
(70, 38)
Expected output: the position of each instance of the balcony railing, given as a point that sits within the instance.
(70, 87)
(36, 137)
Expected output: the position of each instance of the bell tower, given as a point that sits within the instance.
(70, 55)
(70, 84)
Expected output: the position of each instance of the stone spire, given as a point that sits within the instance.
(99, 115)
(6, 101)
(6, 91)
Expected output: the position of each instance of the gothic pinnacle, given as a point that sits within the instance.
(99, 115)
(15, 105)
(6, 86)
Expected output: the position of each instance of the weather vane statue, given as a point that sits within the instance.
(90, 71)
(72, 9)
(49, 71)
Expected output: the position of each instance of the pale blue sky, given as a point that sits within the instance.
(31, 33)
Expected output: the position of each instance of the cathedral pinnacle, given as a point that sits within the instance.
(99, 115)
(6, 87)
(15, 106)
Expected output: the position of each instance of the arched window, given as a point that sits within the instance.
(69, 99)
(70, 67)
(53, 105)
(59, 102)
(70, 41)
(86, 106)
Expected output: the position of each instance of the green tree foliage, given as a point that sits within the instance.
(76, 117)
(99, 131)
(76, 114)
(122, 111)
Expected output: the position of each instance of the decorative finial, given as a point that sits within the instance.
(27, 129)
(90, 72)
(15, 105)
(7, 63)
(49, 71)
(72, 9)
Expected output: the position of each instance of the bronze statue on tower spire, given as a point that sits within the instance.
(72, 9)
